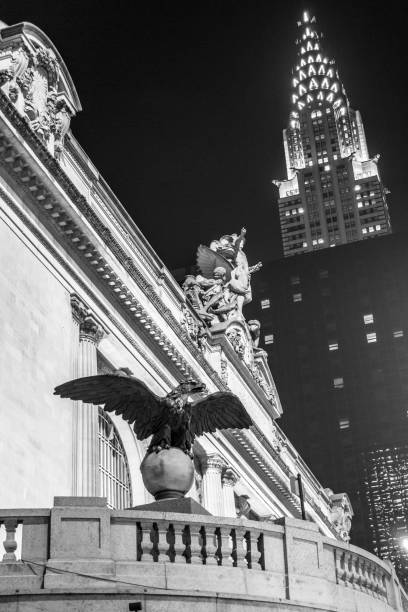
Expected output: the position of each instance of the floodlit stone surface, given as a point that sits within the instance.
(87, 555)
(35, 353)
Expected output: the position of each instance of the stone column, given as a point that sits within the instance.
(229, 480)
(211, 485)
(85, 430)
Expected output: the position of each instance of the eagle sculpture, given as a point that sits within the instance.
(173, 420)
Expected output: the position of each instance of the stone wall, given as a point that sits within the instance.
(35, 329)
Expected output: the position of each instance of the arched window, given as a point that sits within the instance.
(113, 465)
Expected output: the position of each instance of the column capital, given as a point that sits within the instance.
(78, 307)
(230, 477)
(214, 463)
(91, 329)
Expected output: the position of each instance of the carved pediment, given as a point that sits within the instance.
(36, 80)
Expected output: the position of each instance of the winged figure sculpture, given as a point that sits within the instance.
(172, 421)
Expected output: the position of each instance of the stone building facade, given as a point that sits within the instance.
(83, 292)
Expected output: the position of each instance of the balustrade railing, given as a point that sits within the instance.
(270, 553)
(361, 573)
(198, 544)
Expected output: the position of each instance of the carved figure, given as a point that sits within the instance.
(226, 275)
(255, 331)
(173, 420)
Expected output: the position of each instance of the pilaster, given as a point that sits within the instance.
(87, 335)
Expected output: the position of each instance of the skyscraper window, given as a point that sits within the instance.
(338, 383)
(297, 297)
(265, 304)
(371, 337)
(368, 318)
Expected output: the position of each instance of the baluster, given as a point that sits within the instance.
(196, 544)
(384, 587)
(363, 580)
(349, 574)
(162, 541)
(225, 546)
(146, 542)
(261, 549)
(238, 537)
(357, 572)
(340, 565)
(251, 544)
(10, 544)
(211, 546)
(179, 543)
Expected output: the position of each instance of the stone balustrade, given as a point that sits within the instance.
(82, 547)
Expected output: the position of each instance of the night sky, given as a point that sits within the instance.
(184, 105)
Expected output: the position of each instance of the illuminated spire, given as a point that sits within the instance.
(333, 192)
(315, 80)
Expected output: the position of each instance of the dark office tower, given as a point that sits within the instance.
(335, 326)
(385, 487)
(333, 193)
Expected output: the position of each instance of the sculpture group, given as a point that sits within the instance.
(224, 285)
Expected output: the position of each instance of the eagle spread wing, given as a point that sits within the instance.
(124, 395)
(208, 260)
(218, 411)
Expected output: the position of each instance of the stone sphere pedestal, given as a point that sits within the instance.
(168, 474)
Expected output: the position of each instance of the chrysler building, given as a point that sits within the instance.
(333, 193)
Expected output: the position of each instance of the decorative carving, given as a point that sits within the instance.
(342, 513)
(61, 126)
(238, 334)
(5, 76)
(31, 79)
(224, 371)
(45, 58)
(195, 329)
(213, 463)
(276, 440)
(91, 330)
(229, 477)
(255, 331)
(79, 309)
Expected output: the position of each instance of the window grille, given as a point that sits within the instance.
(113, 465)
